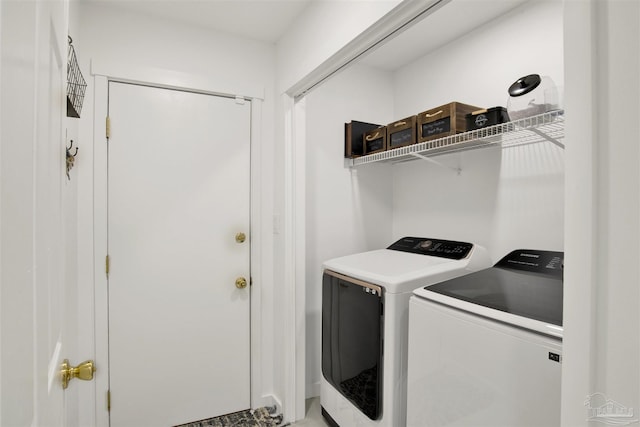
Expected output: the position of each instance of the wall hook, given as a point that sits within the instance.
(71, 158)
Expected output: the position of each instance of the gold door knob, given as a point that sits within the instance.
(83, 371)
(240, 238)
(241, 283)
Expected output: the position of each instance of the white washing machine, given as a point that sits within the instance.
(486, 349)
(365, 311)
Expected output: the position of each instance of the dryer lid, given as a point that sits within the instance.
(400, 269)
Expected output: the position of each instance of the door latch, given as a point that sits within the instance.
(241, 283)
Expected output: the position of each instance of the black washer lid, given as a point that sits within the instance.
(525, 283)
(524, 85)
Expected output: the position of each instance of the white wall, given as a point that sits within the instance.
(117, 39)
(503, 199)
(601, 318)
(618, 208)
(117, 36)
(348, 211)
(479, 67)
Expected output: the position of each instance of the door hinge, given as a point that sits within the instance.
(108, 127)
(109, 400)
(107, 264)
(240, 100)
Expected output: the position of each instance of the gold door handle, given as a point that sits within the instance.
(240, 238)
(241, 283)
(83, 371)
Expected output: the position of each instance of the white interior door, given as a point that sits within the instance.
(36, 253)
(178, 179)
(53, 228)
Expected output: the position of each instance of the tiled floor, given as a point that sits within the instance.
(313, 417)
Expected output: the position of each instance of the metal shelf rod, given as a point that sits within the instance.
(435, 162)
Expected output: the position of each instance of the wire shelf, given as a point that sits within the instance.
(76, 85)
(543, 127)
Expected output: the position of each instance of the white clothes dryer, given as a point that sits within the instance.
(365, 310)
(486, 349)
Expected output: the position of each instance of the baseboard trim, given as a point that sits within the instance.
(313, 390)
(269, 400)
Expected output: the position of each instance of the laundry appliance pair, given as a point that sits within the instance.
(386, 349)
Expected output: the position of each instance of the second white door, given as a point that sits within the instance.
(179, 181)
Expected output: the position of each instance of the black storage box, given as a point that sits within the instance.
(354, 137)
(483, 118)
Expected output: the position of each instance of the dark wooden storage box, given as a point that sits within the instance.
(401, 133)
(375, 141)
(444, 120)
(482, 118)
(354, 137)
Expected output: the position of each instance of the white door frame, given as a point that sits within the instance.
(259, 236)
(294, 261)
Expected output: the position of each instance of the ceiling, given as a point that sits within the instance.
(450, 22)
(264, 20)
(268, 21)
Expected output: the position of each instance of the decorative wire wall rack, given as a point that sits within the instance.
(76, 85)
(543, 127)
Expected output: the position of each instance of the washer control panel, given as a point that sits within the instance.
(433, 247)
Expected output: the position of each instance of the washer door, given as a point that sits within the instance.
(352, 328)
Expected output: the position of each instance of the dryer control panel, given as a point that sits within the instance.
(433, 247)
